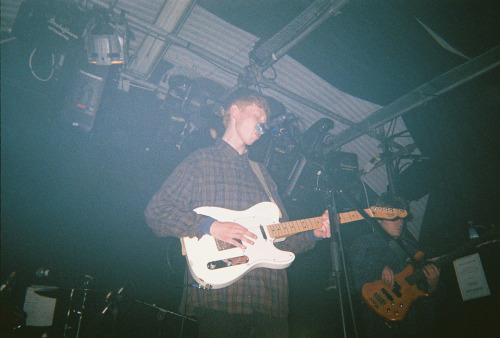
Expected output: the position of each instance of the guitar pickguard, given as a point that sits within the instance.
(224, 263)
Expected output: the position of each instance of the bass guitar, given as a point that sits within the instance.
(215, 264)
(393, 303)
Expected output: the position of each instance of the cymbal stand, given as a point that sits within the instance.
(79, 312)
(66, 325)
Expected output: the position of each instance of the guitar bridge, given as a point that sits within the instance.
(224, 263)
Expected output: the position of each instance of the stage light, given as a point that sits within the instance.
(105, 42)
(105, 48)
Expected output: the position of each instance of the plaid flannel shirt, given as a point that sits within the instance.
(219, 176)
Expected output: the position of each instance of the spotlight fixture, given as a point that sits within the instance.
(105, 42)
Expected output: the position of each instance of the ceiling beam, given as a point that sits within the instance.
(270, 84)
(270, 51)
(170, 19)
(419, 97)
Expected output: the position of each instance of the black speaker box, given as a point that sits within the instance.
(84, 95)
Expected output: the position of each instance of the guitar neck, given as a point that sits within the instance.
(285, 229)
(443, 260)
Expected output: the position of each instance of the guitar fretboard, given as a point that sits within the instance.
(281, 230)
(286, 229)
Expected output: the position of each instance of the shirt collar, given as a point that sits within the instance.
(229, 151)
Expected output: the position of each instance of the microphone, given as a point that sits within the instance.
(262, 128)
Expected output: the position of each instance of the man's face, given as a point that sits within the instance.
(392, 227)
(247, 118)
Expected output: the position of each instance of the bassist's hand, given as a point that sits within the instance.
(431, 273)
(232, 233)
(388, 276)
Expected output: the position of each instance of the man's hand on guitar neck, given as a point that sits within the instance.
(324, 231)
(431, 273)
(232, 233)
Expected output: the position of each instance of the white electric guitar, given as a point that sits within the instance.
(215, 264)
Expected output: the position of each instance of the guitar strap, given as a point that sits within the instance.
(258, 173)
(402, 247)
(399, 249)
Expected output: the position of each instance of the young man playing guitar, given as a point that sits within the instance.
(381, 256)
(256, 305)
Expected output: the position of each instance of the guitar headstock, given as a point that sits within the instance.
(388, 213)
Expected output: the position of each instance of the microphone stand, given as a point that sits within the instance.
(338, 266)
(160, 316)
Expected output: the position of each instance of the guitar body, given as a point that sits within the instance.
(392, 304)
(215, 264)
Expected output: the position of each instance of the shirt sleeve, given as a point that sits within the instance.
(170, 211)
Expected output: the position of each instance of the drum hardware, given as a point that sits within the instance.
(12, 318)
(79, 312)
(78, 308)
(115, 301)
